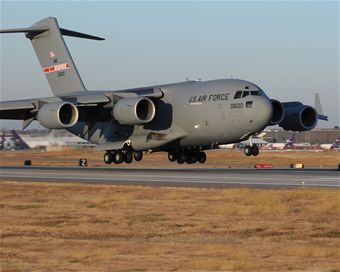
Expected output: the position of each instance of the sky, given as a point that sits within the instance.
(290, 49)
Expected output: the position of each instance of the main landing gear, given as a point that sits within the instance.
(188, 157)
(120, 156)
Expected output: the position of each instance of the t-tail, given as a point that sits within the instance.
(54, 57)
(290, 142)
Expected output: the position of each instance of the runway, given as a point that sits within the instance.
(258, 178)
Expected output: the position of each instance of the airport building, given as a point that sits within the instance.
(315, 136)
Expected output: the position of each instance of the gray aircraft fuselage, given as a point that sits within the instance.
(200, 113)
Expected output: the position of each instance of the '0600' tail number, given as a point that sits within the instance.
(236, 105)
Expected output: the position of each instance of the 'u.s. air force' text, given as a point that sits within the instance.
(210, 97)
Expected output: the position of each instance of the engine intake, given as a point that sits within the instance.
(299, 117)
(278, 113)
(58, 115)
(134, 111)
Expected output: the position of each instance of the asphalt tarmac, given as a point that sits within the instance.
(202, 177)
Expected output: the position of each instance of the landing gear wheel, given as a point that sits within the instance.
(202, 158)
(248, 150)
(128, 157)
(108, 158)
(188, 160)
(193, 158)
(255, 150)
(138, 155)
(172, 157)
(118, 157)
(181, 159)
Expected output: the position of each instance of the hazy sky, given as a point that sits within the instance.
(290, 49)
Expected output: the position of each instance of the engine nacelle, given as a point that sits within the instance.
(278, 113)
(134, 111)
(299, 117)
(58, 115)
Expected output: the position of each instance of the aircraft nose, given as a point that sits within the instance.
(263, 111)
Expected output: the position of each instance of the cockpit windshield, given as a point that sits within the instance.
(242, 94)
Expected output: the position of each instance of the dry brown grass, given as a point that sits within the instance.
(74, 227)
(216, 158)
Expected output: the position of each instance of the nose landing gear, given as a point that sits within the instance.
(251, 150)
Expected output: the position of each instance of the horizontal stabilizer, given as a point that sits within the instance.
(63, 31)
(322, 117)
(24, 30)
(71, 33)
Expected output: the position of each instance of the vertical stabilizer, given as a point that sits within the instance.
(54, 57)
(318, 108)
(318, 104)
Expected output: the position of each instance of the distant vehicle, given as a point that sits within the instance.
(183, 119)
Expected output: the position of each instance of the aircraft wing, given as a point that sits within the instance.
(16, 110)
(88, 104)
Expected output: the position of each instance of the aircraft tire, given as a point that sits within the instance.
(128, 157)
(255, 150)
(138, 155)
(118, 157)
(172, 156)
(108, 157)
(181, 159)
(248, 150)
(193, 158)
(202, 158)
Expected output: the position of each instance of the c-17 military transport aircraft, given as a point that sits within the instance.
(183, 119)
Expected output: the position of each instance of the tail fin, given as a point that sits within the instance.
(292, 139)
(19, 141)
(318, 108)
(54, 57)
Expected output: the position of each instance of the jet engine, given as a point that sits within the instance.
(278, 113)
(134, 111)
(58, 115)
(298, 117)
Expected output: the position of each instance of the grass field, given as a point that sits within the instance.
(78, 227)
(73, 227)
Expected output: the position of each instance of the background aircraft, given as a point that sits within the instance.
(335, 145)
(183, 119)
(12, 141)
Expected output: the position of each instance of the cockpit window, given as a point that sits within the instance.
(238, 94)
(255, 93)
(245, 93)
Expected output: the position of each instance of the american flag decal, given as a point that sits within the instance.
(55, 68)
